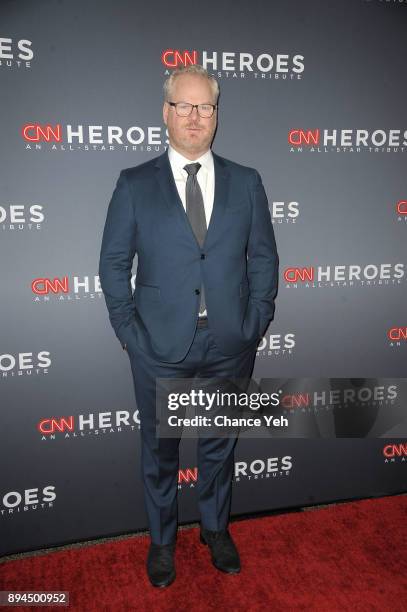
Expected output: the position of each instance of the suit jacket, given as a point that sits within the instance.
(237, 265)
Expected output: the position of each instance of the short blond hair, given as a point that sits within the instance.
(191, 69)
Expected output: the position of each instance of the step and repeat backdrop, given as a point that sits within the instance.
(313, 97)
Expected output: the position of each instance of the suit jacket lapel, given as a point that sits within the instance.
(220, 200)
(175, 207)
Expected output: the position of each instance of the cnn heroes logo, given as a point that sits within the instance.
(71, 289)
(81, 425)
(401, 210)
(395, 453)
(344, 275)
(277, 345)
(21, 217)
(255, 469)
(258, 469)
(58, 137)
(15, 53)
(284, 212)
(24, 364)
(15, 502)
(336, 398)
(63, 288)
(397, 337)
(347, 141)
(229, 64)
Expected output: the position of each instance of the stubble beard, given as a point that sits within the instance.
(191, 146)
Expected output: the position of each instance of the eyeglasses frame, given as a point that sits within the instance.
(214, 107)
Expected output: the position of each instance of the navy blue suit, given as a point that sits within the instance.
(238, 267)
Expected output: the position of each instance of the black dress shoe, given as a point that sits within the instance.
(160, 564)
(225, 556)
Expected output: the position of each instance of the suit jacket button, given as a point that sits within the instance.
(197, 292)
(202, 255)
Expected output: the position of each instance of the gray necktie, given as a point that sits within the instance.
(196, 212)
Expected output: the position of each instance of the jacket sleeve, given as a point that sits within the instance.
(116, 259)
(263, 260)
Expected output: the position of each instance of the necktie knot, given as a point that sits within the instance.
(192, 169)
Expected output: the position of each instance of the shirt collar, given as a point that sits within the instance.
(179, 161)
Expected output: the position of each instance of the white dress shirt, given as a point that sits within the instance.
(205, 177)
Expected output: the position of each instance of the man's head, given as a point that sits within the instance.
(190, 135)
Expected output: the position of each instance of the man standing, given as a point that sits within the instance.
(206, 282)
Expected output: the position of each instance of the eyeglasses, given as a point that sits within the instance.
(184, 109)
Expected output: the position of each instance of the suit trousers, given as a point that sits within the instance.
(159, 456)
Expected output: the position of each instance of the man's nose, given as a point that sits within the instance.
(194, 112)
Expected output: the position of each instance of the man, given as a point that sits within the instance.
(204, 294)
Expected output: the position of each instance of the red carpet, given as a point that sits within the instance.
(346, 557)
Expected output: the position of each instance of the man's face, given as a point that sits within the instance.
(191, 136)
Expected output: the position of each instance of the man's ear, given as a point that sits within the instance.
(165, 112)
